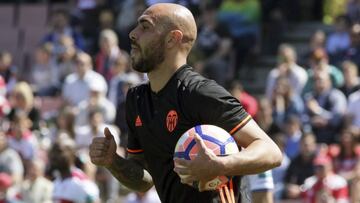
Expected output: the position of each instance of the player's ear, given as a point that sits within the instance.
(173, 38)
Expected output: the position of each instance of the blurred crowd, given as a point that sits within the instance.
(76, 81)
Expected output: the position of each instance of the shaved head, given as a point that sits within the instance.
(170, 29)
(175, 17)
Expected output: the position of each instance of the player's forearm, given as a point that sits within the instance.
(131, 174)
(258, 157)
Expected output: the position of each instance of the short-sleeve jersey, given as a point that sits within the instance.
(157, 120)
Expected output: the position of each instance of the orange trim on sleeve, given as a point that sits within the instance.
(134, 151)
(240, 125)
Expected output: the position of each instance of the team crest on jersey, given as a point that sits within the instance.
(171, 120)
(138, 122)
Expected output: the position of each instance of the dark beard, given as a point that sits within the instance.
(152, 56)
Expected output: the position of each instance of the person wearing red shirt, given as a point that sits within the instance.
(325, 186)
(249, 103)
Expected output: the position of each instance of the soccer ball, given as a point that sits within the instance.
(216, 139)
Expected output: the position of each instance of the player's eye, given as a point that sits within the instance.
(144, 27)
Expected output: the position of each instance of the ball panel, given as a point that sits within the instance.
(231, 148)
(215, 138)
(216, 132)
(213, 147)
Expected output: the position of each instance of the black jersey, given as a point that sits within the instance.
(157, 120)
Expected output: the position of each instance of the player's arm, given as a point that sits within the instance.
(260, 153)
(130, 171)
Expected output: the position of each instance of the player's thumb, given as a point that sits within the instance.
(108, 134)
(200, 142)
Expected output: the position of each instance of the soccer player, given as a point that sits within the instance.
(174, 100)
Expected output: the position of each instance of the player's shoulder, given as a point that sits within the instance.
(191, 79)
(194, 83)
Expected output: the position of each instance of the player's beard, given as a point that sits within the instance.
(149, 57)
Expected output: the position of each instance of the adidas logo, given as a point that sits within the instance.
(138, 122)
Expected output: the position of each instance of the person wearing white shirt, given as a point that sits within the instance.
(287, 67)
(97, 99)
(353, 112)
(77, 85)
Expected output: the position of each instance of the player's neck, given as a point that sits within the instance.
(162, 74)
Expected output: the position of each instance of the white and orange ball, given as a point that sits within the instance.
(216, 139)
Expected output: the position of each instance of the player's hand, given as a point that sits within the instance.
(103, 149)
(202, 169)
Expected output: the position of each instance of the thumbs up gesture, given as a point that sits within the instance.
(103, 149)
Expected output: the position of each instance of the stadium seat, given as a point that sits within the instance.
(6, 16)
(32, 14)
(9, 38)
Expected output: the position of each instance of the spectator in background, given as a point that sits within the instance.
(10, 161)
(317, 41)
(84, 136)
(285, 102)
(353, 10)
(338, 41)
(105, 19)
(353, 53)
(22, 101)
(71, 184)
(36, 188)
(355, 184)
(96, 100)
(5, 107)
(76, 87)
(59, 27)
(109, 51)
(293, 133)
(280, 172)
(65, 57)
(64, 124)
(286, 68)
(301, 167)
(325, 186)
(7, 70)
(353, 113)
(150, 196)
(325, 107)
(242, 20)
(248, 102)
(5, 187)
(351, 78)
(127, 19)
(21, 139)
(264, 117)
(259, 186)
(44, 77)
(348, 155)
(214, 44)
(319, 63)
(120, 69)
